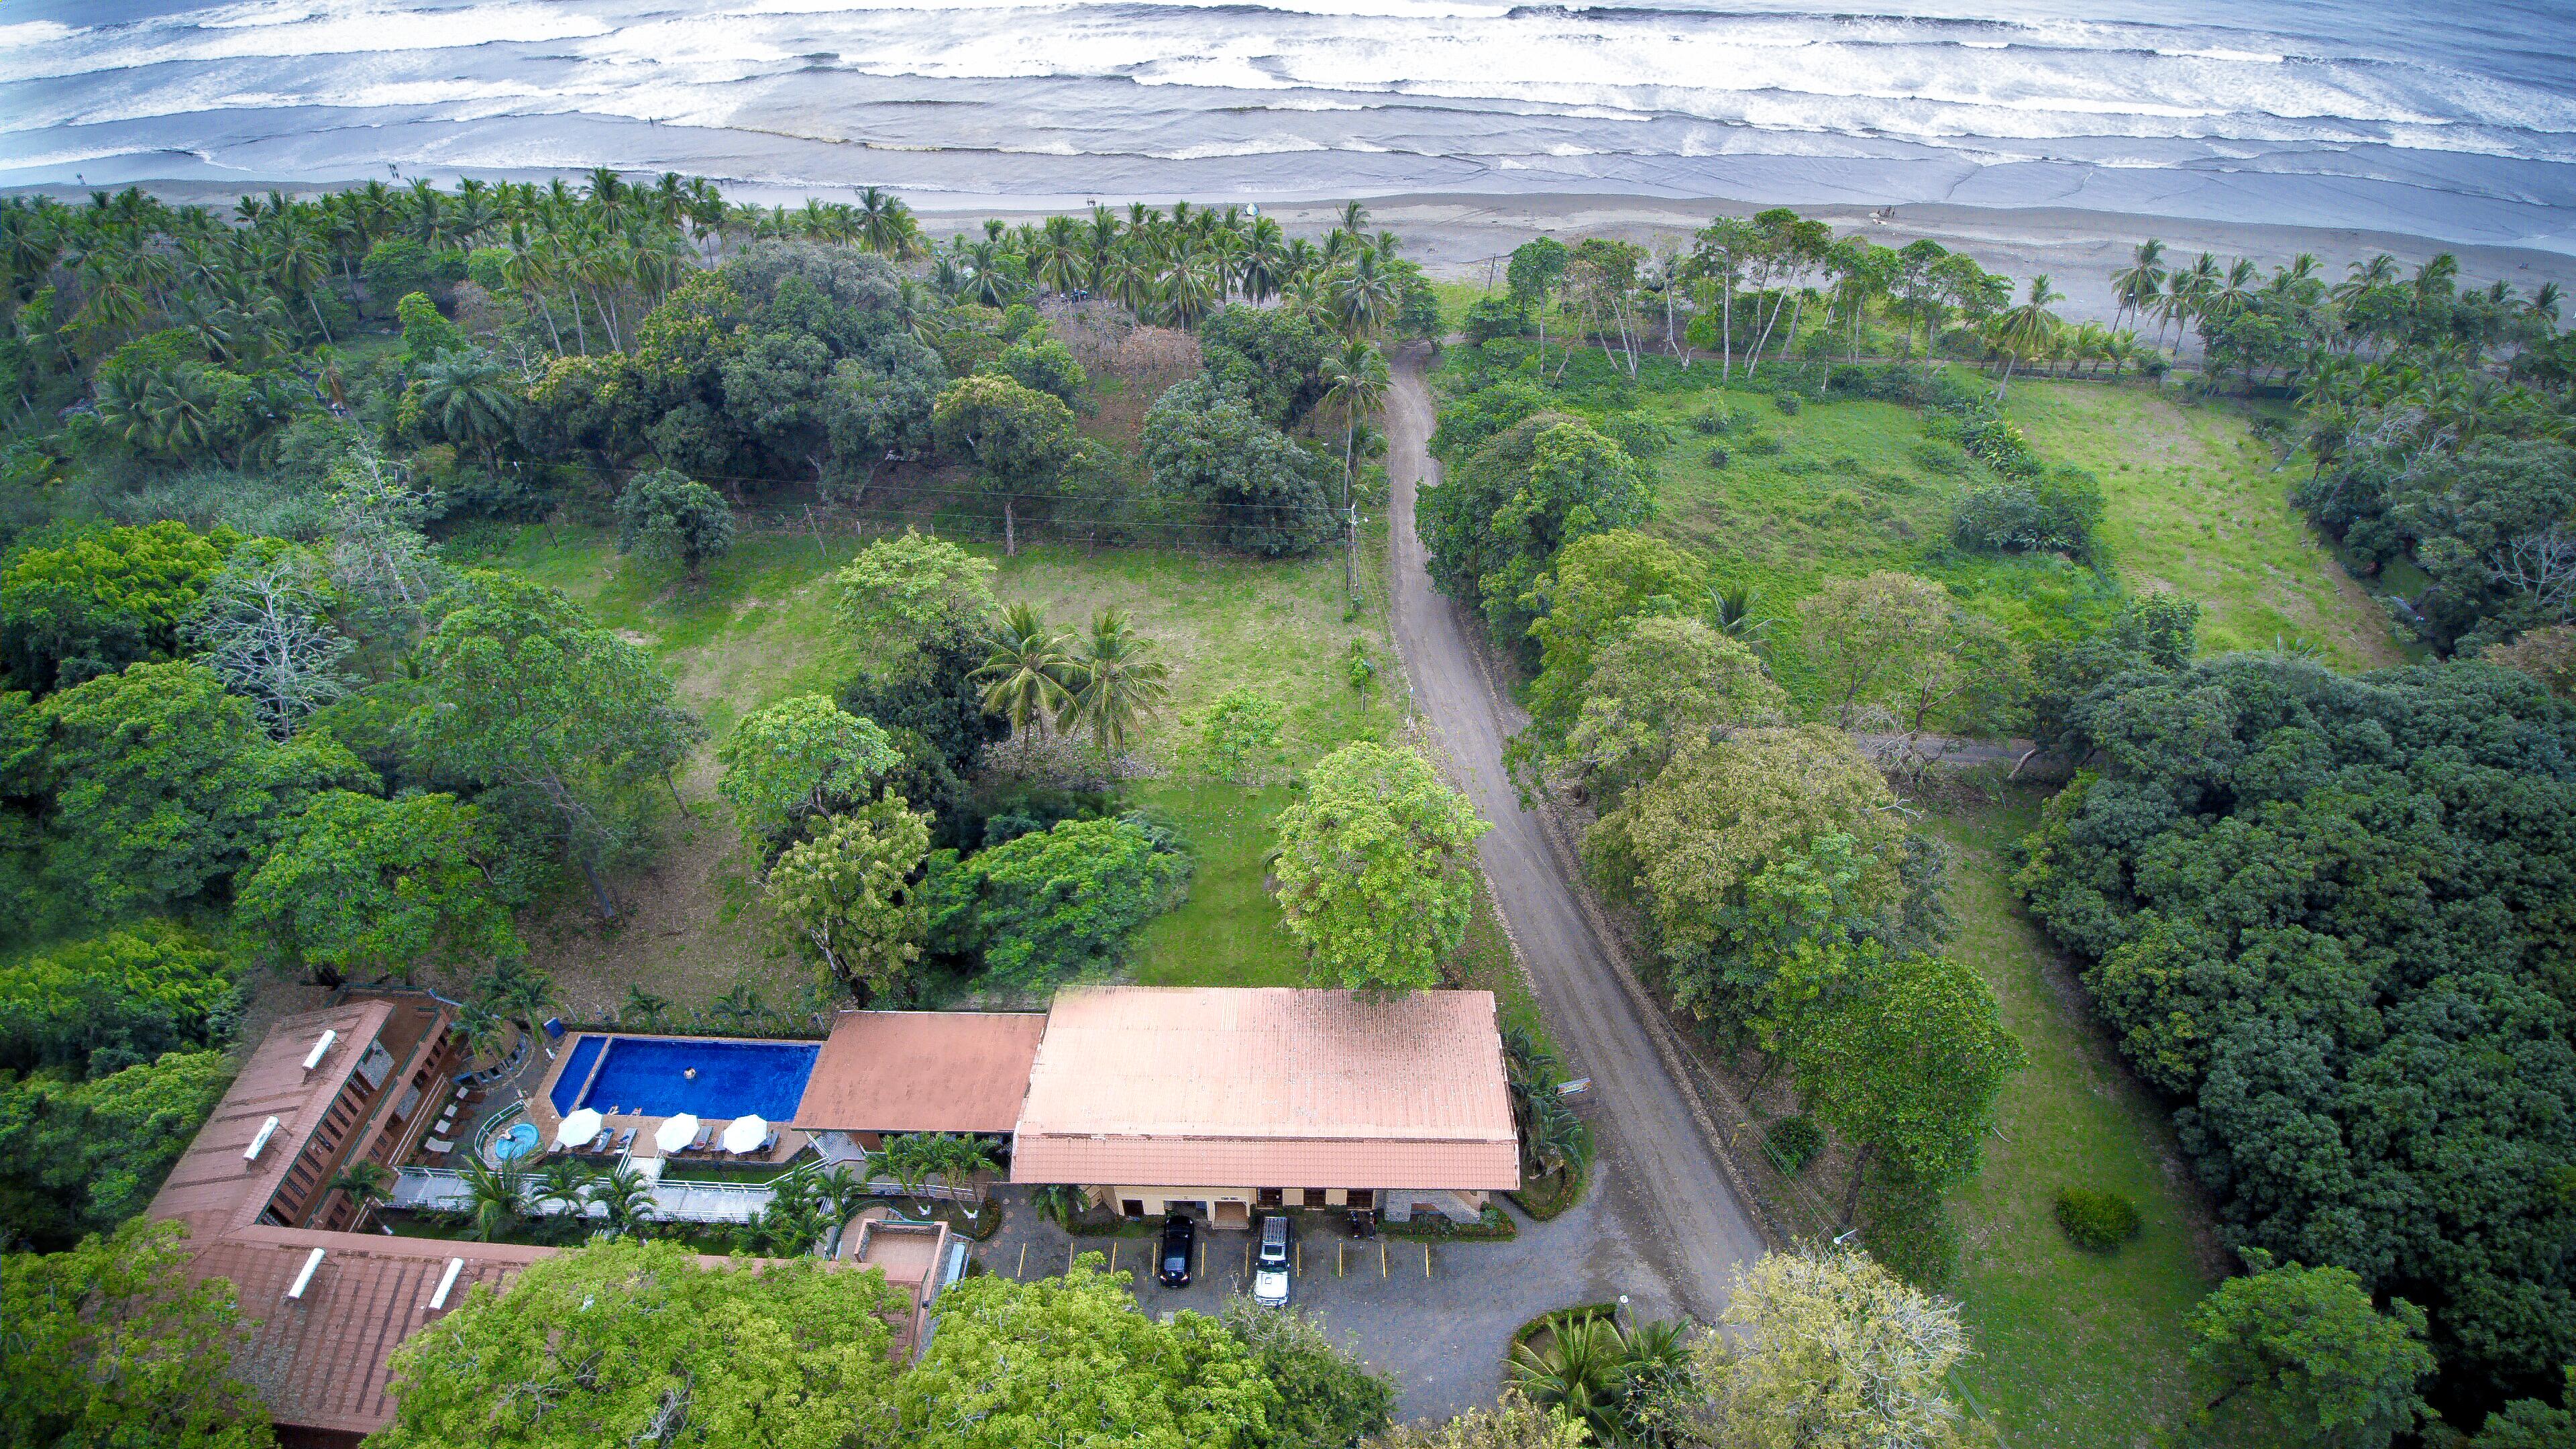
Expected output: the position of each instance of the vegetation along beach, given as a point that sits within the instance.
(1393, 723)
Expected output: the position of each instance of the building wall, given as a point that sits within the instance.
(1397, 1203)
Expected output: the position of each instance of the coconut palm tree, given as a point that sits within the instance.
(1112, 679)
(624, 1198)
(1059, 1203)
(2137, 284)
(960, 1157)
(1358, 385)
(2027, 325)
(563, 1180)
(468, 396)
(366, 1183)
(1025, 668)
(643, 1009)
(495, 1198)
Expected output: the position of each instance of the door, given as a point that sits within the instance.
(1133, 1207)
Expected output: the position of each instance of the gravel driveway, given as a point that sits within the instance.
(1663, 1193)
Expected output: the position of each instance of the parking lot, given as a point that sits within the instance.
(1438, 1316)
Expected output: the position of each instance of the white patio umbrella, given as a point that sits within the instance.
(745, 1134)
(676, 1132)
(577, 1129)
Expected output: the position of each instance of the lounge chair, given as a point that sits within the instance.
(625, 1140)
(767, 1145)
(706, 1140)
(438, 1146)
(600, 1142)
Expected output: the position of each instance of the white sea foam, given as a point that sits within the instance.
(1673, 90)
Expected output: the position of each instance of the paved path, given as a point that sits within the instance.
(1671, 1224)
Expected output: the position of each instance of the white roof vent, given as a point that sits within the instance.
(446, 1281)
(320, 1050)
(303, 1279)
(259, 1143)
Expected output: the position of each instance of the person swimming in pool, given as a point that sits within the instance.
(688, 1074)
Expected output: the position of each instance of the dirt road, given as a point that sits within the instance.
(1673, 1229)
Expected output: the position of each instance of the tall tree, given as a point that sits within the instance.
(670, 518)
(1831, 1351)
(263, 627)
(1021, 441)
(112, 1343)
(801, 757)
(2305, 1350)
(1375, 868)
(643, 1342)
(902, 591)
(358, 885)
(526, 690)
(850, 896)
(1112, 680)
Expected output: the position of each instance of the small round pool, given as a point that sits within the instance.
(517, 1142)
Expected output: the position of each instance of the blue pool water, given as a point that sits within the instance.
(516, 1143)
(645, 1075)
(568, 1083)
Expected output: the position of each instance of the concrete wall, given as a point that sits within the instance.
(1398, 1204)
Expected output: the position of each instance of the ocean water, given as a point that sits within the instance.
(2449, 118)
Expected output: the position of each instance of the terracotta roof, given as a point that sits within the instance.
(921, 1071)
(212, 1185)
(320, 1361)
(1269, 1087)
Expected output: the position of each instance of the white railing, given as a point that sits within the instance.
(684, 1200)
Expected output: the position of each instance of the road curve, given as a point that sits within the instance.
(1675, 1228)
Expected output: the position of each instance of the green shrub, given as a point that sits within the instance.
(1642, 436)
(1907, 1228)
(2098, 1221)
(1787, 402)
(1933, 456)
(1713, 420)
(1793, 1142)
(2057, 513)
(1762, 445)
(1716, 457)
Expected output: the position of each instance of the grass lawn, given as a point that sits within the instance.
(2195, 507)
(761, 629)
(2072, 1348)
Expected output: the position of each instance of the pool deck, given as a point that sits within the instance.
(559, 1055)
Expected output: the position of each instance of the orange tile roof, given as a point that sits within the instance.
(921, 1071)
(1269, 1087)
(212, 1185)
(320, 1361)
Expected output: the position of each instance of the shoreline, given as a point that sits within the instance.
(1462, 236)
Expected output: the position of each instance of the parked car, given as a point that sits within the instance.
(1180, 1240)
(1270, 1266)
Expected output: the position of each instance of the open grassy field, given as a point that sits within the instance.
(761, 629)
(2074, 1349)
(2196, 506)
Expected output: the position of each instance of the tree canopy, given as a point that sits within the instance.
(2331, 916)
(1495, 525)
(1376, 870)
(362, 886)
(801, 757)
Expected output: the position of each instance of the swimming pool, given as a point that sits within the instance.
(575, 1072)
(649, 1076)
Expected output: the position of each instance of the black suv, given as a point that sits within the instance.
(1180, 1239)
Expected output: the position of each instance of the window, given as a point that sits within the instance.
(1313, 1196)
(1269, 1197)
(1362, 1197)
(1133, 1207)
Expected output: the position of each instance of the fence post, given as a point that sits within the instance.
(816, 529)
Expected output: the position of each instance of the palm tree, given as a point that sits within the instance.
(2137, 284)
(366, 1183)
(624, 1197)
(1583, 1370)
(495, 1196)
(2027, 325)
(961, 1156)
(1060, 1203)
(1358, 387)
(643, 1008)
(1363, 294)
(1025, 668)
(564, 1180)
(1112, 680)
(515, 989)
(840, 1191)
(468, 395)
(909, 1161)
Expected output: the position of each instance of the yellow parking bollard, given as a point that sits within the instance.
(1022, 1270)
(1426, 1260)
(1381, 1260)
(1337, 1259)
